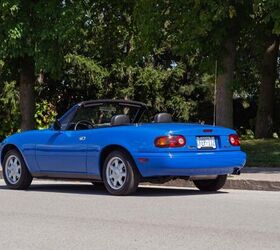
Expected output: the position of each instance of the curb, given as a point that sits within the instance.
(230, 184)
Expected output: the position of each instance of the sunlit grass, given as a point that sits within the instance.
(262, 152)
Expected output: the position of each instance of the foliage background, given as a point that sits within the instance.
(163, 53)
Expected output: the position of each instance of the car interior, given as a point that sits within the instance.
(100, 115)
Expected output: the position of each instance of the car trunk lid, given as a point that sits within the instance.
(199, 137)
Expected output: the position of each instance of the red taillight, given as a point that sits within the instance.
(234, 140)
(171, 141)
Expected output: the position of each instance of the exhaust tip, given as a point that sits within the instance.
(236, 171)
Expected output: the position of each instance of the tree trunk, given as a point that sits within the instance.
(264, 123)
(224, 104)
(27, 99)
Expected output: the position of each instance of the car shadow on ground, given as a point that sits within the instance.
(89, 189)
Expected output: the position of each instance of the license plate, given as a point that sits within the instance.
(206, 142)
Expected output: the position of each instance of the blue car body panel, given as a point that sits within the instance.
(78, 151)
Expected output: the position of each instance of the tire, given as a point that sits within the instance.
(120, 176)
(15, 172)
(211, 185)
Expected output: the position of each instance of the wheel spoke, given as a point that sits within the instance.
(116, 163)
(120, 181)
(111, 169)
(120, 166)
(17, 175)
(115, 182)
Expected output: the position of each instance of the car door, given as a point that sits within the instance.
(62, 151)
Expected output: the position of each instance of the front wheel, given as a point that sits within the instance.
(120, 175)
(211, 185)
(15, 172)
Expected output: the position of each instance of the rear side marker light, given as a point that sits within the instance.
(234, 140)
(143, 160)
(207, 130)
(171, 141)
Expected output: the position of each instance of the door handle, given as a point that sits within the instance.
(82, 138)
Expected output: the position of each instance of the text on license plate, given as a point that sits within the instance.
(205, 142)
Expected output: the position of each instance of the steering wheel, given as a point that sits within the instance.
(86, 123)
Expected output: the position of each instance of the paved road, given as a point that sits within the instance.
(57, 215)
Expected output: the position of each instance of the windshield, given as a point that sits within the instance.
(101, 115)
(94, 115)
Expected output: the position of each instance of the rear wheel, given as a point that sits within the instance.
(15, 172)
(211, 185)
(120, 175)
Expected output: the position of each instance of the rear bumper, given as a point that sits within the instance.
(189, 163)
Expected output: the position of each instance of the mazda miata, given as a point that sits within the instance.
(112, 142)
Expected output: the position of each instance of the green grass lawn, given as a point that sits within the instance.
(262, 153)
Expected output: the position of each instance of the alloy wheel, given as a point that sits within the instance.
(13, 169)
(116, 173)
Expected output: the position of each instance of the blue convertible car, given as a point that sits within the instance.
(108, 141)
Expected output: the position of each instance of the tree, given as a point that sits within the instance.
(205, 29)
(267, 17)
(102, 64)
(37, 34)
(160, 52)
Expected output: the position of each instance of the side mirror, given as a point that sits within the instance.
(57, 125)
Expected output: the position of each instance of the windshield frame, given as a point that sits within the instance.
(141, 108)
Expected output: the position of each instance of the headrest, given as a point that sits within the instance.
(119, 120)
(163, 118)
